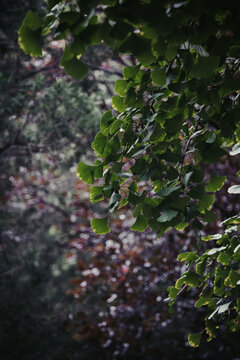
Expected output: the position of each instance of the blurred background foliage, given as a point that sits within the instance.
(65, 292)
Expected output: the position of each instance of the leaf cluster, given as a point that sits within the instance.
(174, 111)
(216, 273)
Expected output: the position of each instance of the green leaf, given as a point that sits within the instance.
(69, 17)
(115, 126)
(99, 143)
(210, 327)
(137, 210)
(109, 2)
(197, 192)
(67, 55)
(220, 275)
(167, 190)
(173, 125)
(173, 292)
(85, 173)
(78, 47)
(118, 103)
(134, 186)
(235, 189)
(122, 203)
(167, 215)
(191, 279)
(188, 256)
(98, 171)
(159, 77)
(121, 87)
(179, 203)
(206, 202)
(210, 216)
(140, 47)
(181, 226)
(100, 226)
(171, 173)
(211, 237)
(106, 120)
(29, 35)
(140, 224)
(96, 194)
(180, 282)
(204, 66)
(129, 72)
(194, 340)
(133, 197)
(52, 3)
(232, 279)
(215, 183)
(75, 68)
(196, 224)
(197, 175)
(224, 258)
(200, 267)
(202, 301)
(32, 21)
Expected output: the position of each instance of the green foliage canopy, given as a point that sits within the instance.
(175, 111)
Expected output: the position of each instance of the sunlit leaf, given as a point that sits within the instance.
(85, 172)
(99, 143)
(194, 340)
(188, 256)
(140, 224)
(29, 35)
(206, 202)
(100, 226)
(215, 183)
(118, 103)
(96, 194)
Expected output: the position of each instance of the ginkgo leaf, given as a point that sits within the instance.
(173, 292)
(140, 224)
(121, 87)
(99, 143)
(75, 68)
(188, 256)
(167, 215)
(215, 183)
(194, 340)
(202, 301)
(118, 103)
(159, 77)
(29, 34)
(100, 226)
(85, 172)
(204, 66)
(206, 202)
(96, 194)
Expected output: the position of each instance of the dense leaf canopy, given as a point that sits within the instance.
(175, 111)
